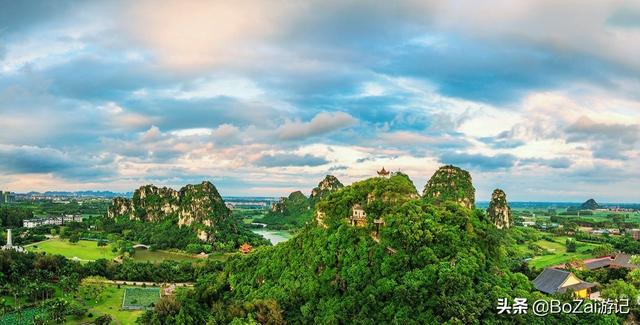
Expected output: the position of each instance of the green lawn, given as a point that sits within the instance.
(145, 255)
(140, 298)
(559, 253)
(110, 302)
(84, 250)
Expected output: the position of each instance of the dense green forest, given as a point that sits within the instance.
(297, 209)
(416, 260)
(433, 264)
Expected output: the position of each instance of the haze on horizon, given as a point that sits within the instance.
(539, 98)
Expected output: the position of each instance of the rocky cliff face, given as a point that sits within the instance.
(329, 184)
(450, 183)
(199, 206)
(499, 211)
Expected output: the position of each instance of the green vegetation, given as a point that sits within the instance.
(296, 210)
(556, 252)
(23, 317)
(293, 211)
(590, 204)
(140, 298)
(106, 300)
(165, 218)
(84, 250)
(427, 265)
(499, 212)
(415, 260)
(450, 183)
(145, 255)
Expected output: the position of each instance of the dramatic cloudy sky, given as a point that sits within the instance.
(264, 97)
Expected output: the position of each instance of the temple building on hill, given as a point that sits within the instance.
(358, 216)
(552, 280)
(383, 172)
(9, 245)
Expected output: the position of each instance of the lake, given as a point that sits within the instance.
(274, 236)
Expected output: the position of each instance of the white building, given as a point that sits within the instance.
(57, 221)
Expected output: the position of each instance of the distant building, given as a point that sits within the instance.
(613, 231)
(552, 280)
(635, 234)
(597, 263)
(9, 245)
(358, 216)
(623, 261)
(52, 220)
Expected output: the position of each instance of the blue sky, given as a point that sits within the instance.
(539, 98)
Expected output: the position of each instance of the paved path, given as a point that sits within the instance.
(139, 283)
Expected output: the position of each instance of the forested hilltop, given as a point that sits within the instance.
(166, 218)
(376, 253)
(297, 209)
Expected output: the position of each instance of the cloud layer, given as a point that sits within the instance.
(267, 97)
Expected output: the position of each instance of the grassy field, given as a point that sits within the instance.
(140, 298)
(559, 253)
(109, 302)
(145, 255)
(84, 250)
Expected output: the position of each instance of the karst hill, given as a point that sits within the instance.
(199, 207)
(450, 183)
(499, 211)
(381, 252)
(590, 204)
(296, 209)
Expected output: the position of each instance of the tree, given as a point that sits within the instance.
(571, 245)
(57, 309)
(619, 289)
(604, 250)
(103, 320)
(74, 238)
(167, 306)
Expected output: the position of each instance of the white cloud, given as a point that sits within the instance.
(320, 124)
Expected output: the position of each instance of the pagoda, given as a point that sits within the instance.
(383, 172)
(245, 248)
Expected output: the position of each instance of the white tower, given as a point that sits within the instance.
(9, 239)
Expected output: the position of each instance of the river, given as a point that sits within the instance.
(274, 236)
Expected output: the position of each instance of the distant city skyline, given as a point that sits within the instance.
(264, 98)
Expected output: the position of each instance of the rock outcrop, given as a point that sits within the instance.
(328, 185)
(499, 211)
(198, 206)
(450, 183)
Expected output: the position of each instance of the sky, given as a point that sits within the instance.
(539, 98)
